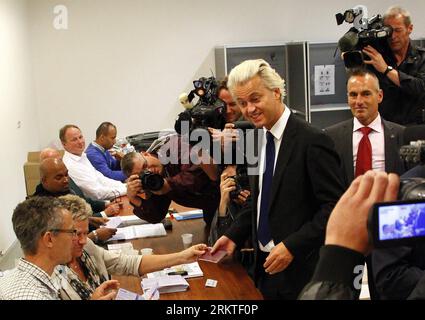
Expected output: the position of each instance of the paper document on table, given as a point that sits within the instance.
(120, 247)
(193, 214)
(131, 220)
(128, 295)
(166, 284)
(113, 222)
(140, 231)
(188, 270)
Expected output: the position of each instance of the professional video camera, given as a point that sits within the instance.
(151, 181)
(209, 111)
(365, 32)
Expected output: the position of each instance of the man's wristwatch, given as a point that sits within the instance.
(389, 68)
(96, 237)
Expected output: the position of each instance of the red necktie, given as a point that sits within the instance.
(364, 153)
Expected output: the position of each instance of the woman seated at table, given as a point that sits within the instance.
(91, 265)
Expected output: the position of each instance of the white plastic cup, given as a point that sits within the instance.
(187, 240)
(146, 251)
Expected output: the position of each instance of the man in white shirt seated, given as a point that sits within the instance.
(94, 184)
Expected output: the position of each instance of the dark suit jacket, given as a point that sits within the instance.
(342, 135)
(305, 188)
(96, 205)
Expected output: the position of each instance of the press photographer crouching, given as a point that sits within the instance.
(151, 192)
(383, 44)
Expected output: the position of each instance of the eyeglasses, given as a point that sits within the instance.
(72, 231)
(145, 162)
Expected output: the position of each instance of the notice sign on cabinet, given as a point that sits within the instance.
(324, 80)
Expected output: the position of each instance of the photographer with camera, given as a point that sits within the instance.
(398, 270)
(347, 240)
(349, 233)
(184, 183)
(234, 120)
(403, 82)
(398, 63)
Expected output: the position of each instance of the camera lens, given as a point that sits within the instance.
(151, 181)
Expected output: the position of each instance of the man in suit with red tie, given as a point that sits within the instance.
(367, 141)
(294, 191)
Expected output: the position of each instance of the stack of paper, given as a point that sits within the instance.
(166, 284)
(131, 221)
(140, 231)
(198, 213)
(193, 270)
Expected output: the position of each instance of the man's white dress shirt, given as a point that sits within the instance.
(377, 141)
(93, 183)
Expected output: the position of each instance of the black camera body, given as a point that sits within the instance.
(365, 32)
(151, 181)
(402, 222)
(413, 153)
(241, 182)
(209, 111)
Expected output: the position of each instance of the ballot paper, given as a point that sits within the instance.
(165, 284)
(193, 270)
(113, 222)
(139, 231)
(193, 214)
(128, 295)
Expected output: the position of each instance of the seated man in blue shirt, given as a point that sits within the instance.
(99, 155)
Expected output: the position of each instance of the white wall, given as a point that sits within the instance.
(16, 104)
(126, 61)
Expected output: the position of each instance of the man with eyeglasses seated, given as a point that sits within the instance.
(45, 230)
(91, 265)
(186, 184)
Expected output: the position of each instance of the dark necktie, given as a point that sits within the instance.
(264, 235)
(364, 153)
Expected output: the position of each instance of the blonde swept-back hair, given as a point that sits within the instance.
(394, 11)
(251, 68)
(78, 207)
